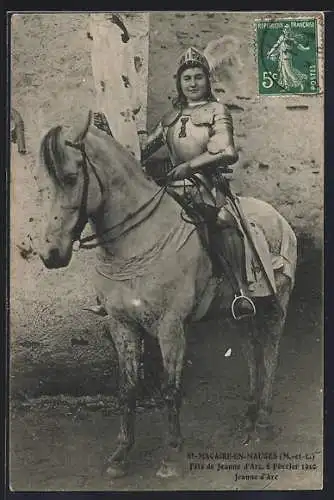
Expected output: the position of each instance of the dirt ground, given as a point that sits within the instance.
(64, 419)
(63, 442)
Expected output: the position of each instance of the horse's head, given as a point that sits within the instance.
(73, 193)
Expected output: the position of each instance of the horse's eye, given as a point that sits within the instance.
(71, 179)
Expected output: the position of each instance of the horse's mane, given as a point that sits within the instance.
(82, 134)
(107, 141)
(109, 147)
(51, 154)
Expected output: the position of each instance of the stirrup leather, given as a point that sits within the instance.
(243, 297)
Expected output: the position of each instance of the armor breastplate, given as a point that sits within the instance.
(186, 140)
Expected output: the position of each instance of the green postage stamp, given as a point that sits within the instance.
(287, 54)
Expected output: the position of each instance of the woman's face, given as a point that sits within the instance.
(194, 84)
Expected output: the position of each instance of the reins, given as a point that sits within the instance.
(86, 242)
(155, 200)
(197, 219)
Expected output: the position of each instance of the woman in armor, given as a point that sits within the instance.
(198, 132)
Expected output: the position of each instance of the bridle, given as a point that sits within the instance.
(83, 218)
(86, 242)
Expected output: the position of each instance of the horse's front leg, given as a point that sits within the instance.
(172, 345)
(127, 344)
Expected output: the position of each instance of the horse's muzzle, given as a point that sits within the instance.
(53, 259)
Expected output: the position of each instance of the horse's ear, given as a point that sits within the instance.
(82, 134)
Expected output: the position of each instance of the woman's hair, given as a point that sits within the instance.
(181, 100)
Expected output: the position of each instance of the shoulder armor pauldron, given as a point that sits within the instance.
(205, 115)
(170, 117)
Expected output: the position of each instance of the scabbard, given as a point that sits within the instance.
(244, 224)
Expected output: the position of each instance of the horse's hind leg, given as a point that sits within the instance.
(127, 344)
(172, 345)
(273, 320)
(251, 352)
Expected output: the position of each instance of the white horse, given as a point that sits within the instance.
(152, 275)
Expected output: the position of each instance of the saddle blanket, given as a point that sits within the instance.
(276, 245)
(275, 242)
(274, 239)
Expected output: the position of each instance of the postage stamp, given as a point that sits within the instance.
(287, 54)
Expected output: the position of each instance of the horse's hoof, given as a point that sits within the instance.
(264, 432)
(167, 470)
(246, 438)
(117, 469)
(248, 424)
(245, 430)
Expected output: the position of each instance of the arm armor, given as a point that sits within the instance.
(220, 149)
(154, 142)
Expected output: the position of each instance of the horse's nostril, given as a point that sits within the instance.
(54, 254)
(53, 258)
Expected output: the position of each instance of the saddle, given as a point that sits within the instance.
(204, 218)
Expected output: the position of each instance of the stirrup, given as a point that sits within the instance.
(243, 297)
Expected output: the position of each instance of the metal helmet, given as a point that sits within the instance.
(192, 57)
(189, 59)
